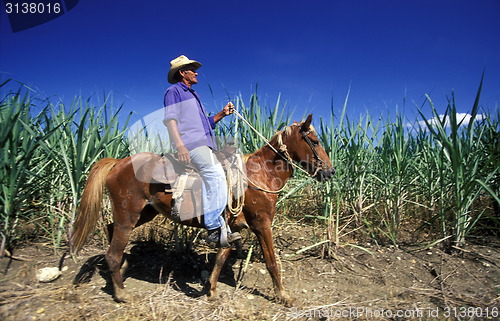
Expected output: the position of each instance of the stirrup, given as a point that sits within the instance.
(231, 237)
(223, 240)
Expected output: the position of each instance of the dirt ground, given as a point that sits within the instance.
(364, 282)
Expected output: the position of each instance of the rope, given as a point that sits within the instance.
(236, 204)
(260, 188)
(255, 130)
(282, 147)
(236, 186)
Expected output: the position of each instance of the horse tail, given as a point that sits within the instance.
(90, 204)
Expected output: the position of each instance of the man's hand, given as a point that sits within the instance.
(183, 154)
(175, 136)
(228, 109)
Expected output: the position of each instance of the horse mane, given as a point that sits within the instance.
(278, 137)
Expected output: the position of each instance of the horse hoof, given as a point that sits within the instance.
(287, 301)
(123, 297)
(212, 296)
(290, 302)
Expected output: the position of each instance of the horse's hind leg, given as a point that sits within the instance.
(114, 257)
(109, 233)
(147, 214)
(124, 222)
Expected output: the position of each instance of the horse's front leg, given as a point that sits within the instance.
(211, 285)
(265, 236)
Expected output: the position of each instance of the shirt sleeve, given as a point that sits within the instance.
(211, 120)
(171, 105)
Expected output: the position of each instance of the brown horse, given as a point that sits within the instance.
(135, 202)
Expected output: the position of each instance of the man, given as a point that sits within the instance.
(191, 132)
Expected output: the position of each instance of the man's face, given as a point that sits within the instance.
(189, 75)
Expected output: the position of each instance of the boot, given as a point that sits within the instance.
(222, 236)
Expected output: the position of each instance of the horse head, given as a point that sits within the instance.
(303, 146)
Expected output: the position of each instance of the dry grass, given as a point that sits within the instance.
(389, 278)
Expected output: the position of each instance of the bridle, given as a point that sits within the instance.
(282, 151)
(318, 159)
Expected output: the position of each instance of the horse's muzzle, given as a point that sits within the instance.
(324, 175)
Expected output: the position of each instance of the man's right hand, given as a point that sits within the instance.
(183, 154)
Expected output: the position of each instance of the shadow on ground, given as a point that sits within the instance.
(159, 264)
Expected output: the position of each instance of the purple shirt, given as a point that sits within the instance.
(183, 105)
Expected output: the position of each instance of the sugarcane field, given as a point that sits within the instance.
(383, 220)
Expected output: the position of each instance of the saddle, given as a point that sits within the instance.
(185, 183)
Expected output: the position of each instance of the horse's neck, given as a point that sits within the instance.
(273, 167)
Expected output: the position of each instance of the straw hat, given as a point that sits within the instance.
(177, 64)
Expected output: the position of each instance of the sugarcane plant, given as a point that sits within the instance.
(459, 146)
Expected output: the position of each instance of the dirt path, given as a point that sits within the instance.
(386, 283)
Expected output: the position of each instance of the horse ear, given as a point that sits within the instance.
(307, 123)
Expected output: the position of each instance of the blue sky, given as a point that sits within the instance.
(310, 52)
